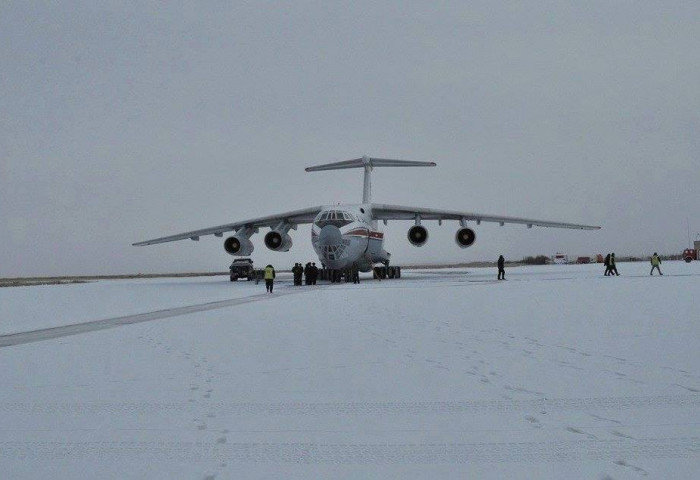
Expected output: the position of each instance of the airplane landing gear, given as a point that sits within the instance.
(381, 273)
(386, 272)
(333, 276)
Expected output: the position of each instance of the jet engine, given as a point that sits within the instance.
(417, 235)
(465, 237)
(278, 241)
(238, 245)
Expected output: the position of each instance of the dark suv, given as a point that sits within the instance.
(242, 268)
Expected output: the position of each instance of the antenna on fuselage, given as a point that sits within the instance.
(368, 163)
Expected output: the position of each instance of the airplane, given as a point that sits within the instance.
(347, 236)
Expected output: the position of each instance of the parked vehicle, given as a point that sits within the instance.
(560, 258)
(690, 254)
(242, 268)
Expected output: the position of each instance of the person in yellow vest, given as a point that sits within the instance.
(269, 278)
(655, 264)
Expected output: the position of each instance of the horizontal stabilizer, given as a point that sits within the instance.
(369, 161)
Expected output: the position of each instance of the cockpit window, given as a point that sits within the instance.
(338, 218)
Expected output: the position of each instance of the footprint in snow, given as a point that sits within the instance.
(533, 421)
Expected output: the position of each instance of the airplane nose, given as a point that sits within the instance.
(330, 241)
(330, 235)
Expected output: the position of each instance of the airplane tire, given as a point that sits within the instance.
(397, 273)
(390, 272)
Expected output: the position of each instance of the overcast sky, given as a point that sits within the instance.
(121, 122)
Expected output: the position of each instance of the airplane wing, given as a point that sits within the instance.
(295, 217)
(398, 212)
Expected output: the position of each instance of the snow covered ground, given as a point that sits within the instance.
(557, 372)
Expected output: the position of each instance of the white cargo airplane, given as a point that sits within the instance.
(346, 236)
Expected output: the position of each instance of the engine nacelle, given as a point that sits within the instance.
(238, 246)
(278, 241)
(465, 237)
(417, 235)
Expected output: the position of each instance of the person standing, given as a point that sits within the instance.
(314, 273)
(613, 265)
(355, 274)
(655, 264)
(295, 272)
(501, 268)
(269, 278)
(300, 273)
(607, 265)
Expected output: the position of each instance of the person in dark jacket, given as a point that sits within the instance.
(269, 278)
(314, 273)
(606, 262)
(501, 268)
(297, 271)
(355, 274)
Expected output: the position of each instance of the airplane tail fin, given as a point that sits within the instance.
(368, 163)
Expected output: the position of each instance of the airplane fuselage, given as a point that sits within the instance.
(344, 236)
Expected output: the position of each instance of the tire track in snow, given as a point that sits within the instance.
(354, 453)
(95, 325)
(474, 407)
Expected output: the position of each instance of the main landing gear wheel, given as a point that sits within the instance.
(386, 272)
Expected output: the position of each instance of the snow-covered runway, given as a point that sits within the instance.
(558, 372)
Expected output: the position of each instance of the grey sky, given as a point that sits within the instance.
(122, 122)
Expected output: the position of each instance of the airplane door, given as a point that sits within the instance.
(365, 238)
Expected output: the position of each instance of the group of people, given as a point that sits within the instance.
(309, 273)
(609, 262)
(610, 265)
